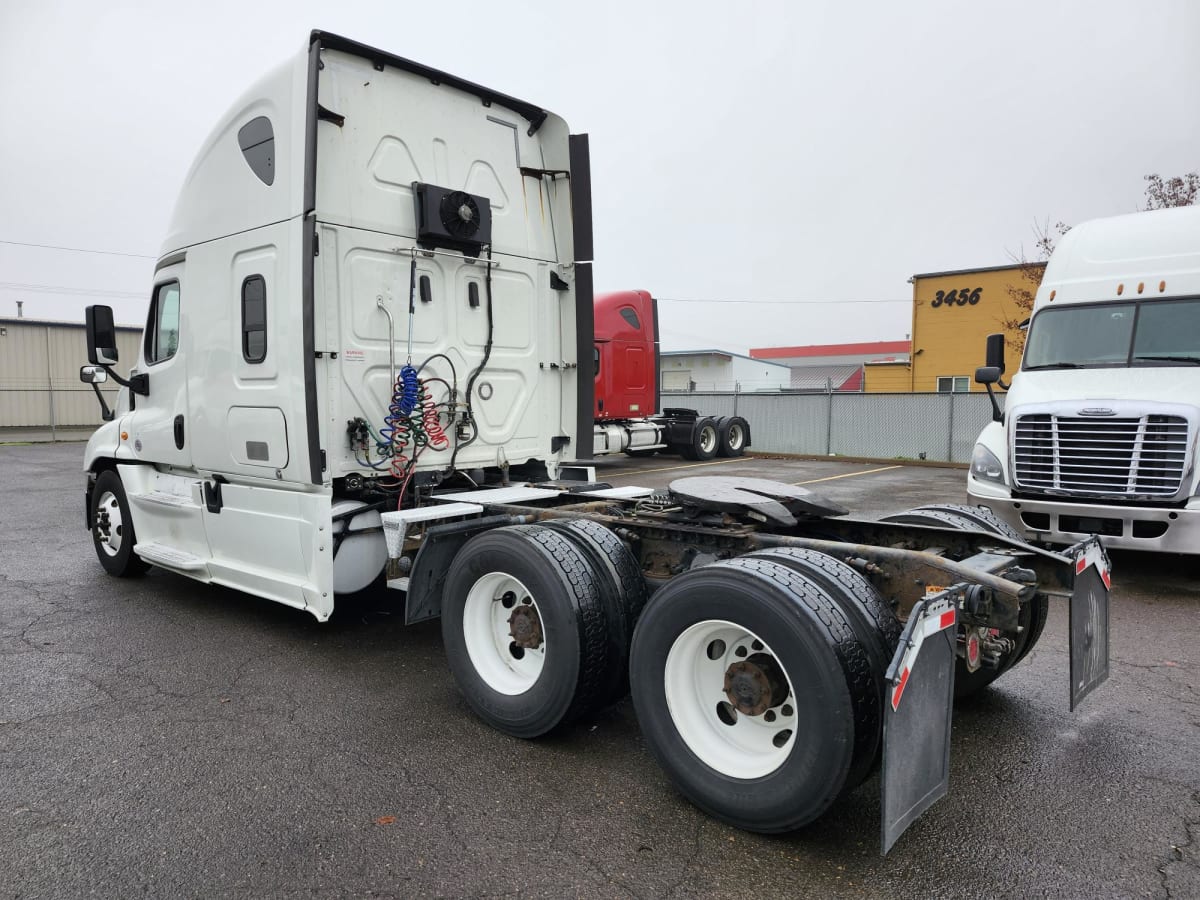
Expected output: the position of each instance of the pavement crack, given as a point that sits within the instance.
(1180, 853)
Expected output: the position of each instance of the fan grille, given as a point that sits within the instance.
(459, 214)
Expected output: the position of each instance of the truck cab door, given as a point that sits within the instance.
(158, 424)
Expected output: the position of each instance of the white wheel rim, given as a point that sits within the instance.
(735, 437)
(708, 439)
(109, 542)
(750, 747)
(490, 644)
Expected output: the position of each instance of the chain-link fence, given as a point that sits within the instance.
(937, 427)
(940, 427)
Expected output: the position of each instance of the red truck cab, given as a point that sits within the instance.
(626, 355)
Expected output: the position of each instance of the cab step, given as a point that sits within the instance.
(169, 557)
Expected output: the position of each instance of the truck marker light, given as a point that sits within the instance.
(1120, 289)
(973, 650)
(124, 435)
(1141, 286)
(1162, 286)
(1053, 294)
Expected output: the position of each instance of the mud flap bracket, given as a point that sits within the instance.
(1089, 619)
(917, 711)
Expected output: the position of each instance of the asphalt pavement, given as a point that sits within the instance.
(160, 737)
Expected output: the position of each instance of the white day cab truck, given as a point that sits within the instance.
(1099, 429)
(368, 355)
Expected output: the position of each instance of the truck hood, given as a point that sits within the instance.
(1092, 387)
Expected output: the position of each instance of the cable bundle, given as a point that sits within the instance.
(407, 387)
(431, 422)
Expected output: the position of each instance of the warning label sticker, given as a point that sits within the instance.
(354, 355)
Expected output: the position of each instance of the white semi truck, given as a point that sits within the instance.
(1099, 429)
(368, 354)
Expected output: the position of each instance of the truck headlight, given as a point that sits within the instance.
(985, 466)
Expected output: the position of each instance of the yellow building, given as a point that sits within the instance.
(953, 313)
(890, 376)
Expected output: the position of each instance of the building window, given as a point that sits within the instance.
(162, 330)
(956, 384)
(254, 319)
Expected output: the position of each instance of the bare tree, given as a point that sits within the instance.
(1029, 276)
(1161, 193)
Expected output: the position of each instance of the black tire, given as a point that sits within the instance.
(1039, 612)
(575, 670)
(817, 649)
(875, 625)
(113, 535)
(705, 440)
(984, 518)
(622, 588)
(734, 434)
(937, 518)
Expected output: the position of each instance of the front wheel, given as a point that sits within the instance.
(112, 528)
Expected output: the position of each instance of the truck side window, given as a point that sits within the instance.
(596, 359)
(254, 319)
(162, 334)
(628, 314)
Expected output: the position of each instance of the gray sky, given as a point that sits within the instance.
(800, 152)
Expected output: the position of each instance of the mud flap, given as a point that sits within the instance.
(917, 711)
(1089, 619)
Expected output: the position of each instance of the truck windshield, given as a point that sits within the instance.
(1147, 333)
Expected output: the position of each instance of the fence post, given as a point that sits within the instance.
(829, 423)
(50, 384)
(950, 431)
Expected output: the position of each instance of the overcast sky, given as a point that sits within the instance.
(817, 153)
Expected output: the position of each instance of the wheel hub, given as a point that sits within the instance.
(754, 685)
(108, 525)
(525, 626)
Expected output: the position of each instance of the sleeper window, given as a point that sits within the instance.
(254, 319)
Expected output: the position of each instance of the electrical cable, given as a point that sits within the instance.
(487, 352)
(435, 436)
(77, 249)
(453, 371)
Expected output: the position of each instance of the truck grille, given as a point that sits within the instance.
(1143, 456)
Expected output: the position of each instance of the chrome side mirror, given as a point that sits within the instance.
(93, 374)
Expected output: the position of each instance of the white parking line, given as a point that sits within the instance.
(715, 462)
(846, 475)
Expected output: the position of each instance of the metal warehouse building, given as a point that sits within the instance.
(719, 370)
(39, 376)
(831, 367)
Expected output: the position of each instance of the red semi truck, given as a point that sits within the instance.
(625, 356)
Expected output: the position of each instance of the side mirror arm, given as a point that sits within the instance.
(105, 413)
(997, 413)
(139, 384)
(987, 376)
